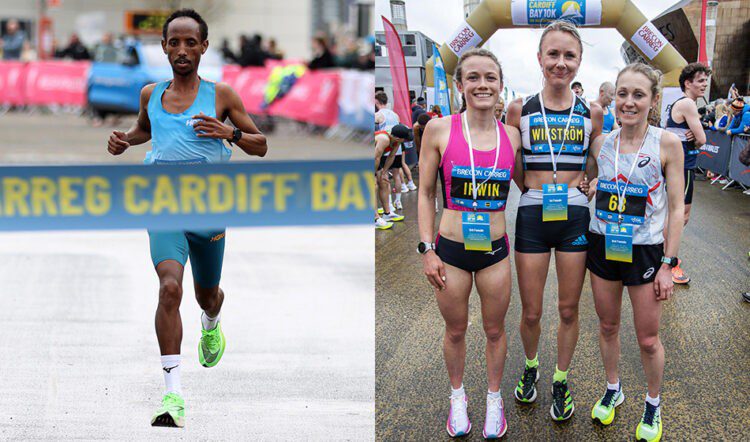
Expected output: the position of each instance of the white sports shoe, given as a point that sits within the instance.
(495, 424)
(411, 186)
(393, 216)
(397, 205)
(458, 423)
(404, 189)
(382, 224)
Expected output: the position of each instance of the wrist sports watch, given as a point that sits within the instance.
(237, 134)
(424, 247)
(672, 262)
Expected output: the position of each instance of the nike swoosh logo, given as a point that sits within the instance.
(169, 369)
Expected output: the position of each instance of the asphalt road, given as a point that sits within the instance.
(64, 139)
(81, 356)
(705, 330)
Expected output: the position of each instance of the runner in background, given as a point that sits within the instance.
(606, 95)
(684, 121)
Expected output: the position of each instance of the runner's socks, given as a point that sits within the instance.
(170, 365)
(531, 363)
(560, 376)
(208, 322)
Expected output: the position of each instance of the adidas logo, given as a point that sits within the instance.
(580, 241)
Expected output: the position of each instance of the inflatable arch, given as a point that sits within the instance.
(622, 15)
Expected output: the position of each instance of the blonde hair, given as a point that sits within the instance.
(653, 76)
(562, 26)
(474, 52)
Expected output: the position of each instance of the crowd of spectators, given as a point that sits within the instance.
(341, 51)
(327, 52)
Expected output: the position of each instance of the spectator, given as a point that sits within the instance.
(227, 53)
(14, 41)
(252, 53)
(75, 50)
(106, 50)
(577, 88)
(435, 112)
(273, 50)
(388, 118)
(417, 108)
(322, 56)
(349, 56)
(741, 119)
(366, 60)
(418, 130)
(500, 110)
(733, 92)
(722, 116)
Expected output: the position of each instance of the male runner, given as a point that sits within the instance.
(386, 144)
(577, 88)
(185, 118)
(684, 120)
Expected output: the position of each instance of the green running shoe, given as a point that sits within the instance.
(171, 413)
(649, 429)
(604, 410)
(562, 403)
(526, 389)
(211, 346)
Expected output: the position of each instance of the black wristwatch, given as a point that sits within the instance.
(672, 262)
(424, 247)
(236, 136)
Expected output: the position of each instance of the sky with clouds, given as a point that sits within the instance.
(516, 48)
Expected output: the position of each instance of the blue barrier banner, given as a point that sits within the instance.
(202, 196)
(441, 83)
(738, 171)
(714, 155)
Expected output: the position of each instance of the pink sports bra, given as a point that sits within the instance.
(493, 183)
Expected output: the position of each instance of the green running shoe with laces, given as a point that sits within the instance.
(562, 403)
(211, 346)
(526, 389)
(649, 428)
(171, 413)
(604, 409)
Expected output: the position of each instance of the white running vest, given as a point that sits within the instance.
(646, 189)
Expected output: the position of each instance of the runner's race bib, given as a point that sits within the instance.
(554, 202)
(476, 228)
(632, 206)
(491, 194)
(618, 243)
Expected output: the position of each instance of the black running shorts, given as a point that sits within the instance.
(536, 236)
(646, 262)
(396, 162)
(689, 179)
(453, 253)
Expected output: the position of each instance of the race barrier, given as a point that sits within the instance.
(324, 98)
(714, 155)
(738, 171)
(184, 197)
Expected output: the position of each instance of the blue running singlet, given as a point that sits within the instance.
(172, 135)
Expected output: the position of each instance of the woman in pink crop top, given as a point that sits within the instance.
(474, 155)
